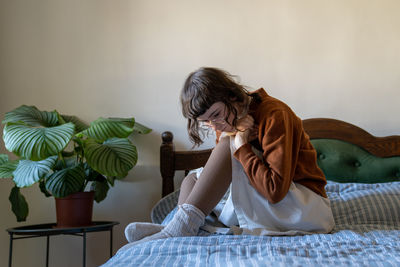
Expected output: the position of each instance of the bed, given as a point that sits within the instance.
(363, 173)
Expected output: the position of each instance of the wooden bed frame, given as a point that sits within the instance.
(318, 128)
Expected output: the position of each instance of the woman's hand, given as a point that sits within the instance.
(247, 131)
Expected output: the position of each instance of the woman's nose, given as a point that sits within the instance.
(217, 126)
(213, 126)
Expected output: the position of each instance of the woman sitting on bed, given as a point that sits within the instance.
(263, 160)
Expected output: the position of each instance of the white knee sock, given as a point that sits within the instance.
(136, 231)
(186, 222)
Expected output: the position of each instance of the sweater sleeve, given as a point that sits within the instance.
(271, 176)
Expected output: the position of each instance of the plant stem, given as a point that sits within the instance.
(77, 157)
(62, 159)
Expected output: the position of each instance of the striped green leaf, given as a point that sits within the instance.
(114, 157)
(3, 158)
(79, 125)
(7, 168)
(30, 115)
(37, 143)
(18, 204)
(140, 128)
(130, 122)
(29, 172)
(110, 180)
(66, 162)
(100, 188)
(42, 187)
(103, 129)
(66, 181)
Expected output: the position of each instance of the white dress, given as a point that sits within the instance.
(246, 211)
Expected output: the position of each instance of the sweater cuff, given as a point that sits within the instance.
(242, 151)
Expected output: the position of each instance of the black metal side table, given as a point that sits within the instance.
(49, 229)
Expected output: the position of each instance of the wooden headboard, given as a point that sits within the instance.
(318, 128)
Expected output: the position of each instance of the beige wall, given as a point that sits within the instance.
(96, 58)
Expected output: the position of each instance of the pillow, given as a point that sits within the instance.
(357, 203)
(164, 207)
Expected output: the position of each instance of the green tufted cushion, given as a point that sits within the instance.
(344, 162)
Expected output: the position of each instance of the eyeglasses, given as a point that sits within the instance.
(206, 125)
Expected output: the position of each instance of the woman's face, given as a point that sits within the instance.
(215, 116)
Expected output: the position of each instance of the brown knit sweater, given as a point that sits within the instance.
(287, 152)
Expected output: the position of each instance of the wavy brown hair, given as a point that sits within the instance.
(201, 90)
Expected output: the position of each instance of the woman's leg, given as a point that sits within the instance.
(202, 196)
(214, 180)
(186, 187)
(136, 231)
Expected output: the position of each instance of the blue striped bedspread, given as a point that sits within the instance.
(367, 233)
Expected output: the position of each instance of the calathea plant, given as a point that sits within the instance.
(64, 155)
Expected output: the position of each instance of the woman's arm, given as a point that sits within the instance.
(271, 176)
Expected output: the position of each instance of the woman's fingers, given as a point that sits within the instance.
(245, 123)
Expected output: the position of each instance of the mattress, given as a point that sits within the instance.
(367, 233)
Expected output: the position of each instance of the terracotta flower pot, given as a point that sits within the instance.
(75, 210)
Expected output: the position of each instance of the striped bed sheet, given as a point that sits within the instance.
(367, 233)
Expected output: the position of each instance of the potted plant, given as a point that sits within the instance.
(65, 156)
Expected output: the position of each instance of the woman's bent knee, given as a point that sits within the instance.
(190, 178)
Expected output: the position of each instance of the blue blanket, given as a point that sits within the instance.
(367, 233)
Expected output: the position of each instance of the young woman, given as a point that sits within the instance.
(263, 161)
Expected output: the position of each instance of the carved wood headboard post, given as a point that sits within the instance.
(167, 163)
(172, 160)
